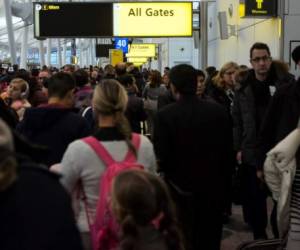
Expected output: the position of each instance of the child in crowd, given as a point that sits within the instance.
(143, 207)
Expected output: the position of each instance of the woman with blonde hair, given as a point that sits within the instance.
(222, 90)
(81, 162)
(17, 94)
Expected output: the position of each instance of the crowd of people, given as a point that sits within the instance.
(130, 159)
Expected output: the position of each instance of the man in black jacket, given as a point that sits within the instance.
(192, 141)
(55, 124)
(249, 110)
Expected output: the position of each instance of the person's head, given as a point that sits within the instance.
(211, 71)
(109, 71)
(8, 162)
(110, 102)
(126, 80)
(166, 80)
(43, 76)
(166, 70)
(23, 74)
(69, 68)
(18, 89)
(226, 76)
(155, 78)
(61, 89)
(200, 82)
(183, 78)
(296, 55)
(260, 58)
(81, 77)
(141, 199)
(120, 69)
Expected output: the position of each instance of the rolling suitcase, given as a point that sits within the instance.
(275, 244)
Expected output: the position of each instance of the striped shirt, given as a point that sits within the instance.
(295, 205)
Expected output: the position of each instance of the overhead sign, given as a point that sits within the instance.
(153, 19)
(142, 50)
(122, 44)
(137, 59)
(261, 8)
(115, 56)
(108, 19)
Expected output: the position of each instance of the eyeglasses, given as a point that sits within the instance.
(264, 59)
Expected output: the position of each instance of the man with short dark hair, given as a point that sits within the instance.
(55, 124)
(250, 104)
(192, 141)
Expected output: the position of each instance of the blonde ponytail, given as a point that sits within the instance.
(110, 98)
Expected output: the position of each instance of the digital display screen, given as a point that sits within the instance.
(60, 19)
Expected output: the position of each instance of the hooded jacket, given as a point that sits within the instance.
(54, 127)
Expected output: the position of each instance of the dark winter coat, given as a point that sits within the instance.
(54, 127)
(244, 115)
(192, 141)
(135, 112)
(36, 213)
(281, 118)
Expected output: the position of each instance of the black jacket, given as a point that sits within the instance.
(53, 127)
(135, 112)
(244, 115)
(192, 141)
(36, 213)
(281, 118)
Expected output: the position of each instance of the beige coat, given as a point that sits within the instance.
(279, 170)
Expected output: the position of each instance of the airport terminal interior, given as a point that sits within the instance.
(149, 125)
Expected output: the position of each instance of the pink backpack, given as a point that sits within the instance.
(105, 230)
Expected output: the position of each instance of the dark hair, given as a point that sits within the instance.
(81, 77)
(155, 79)
(120, 69)
(125, 80)
(296, 55)
(184, 78)
(200, 73)
(23, 74)
(211, 71)
(138, 198)
(60, 84)
(260, 46)
(35, 72)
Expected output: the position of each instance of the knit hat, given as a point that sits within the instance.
(296, 54)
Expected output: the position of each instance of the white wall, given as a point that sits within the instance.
(249, 31)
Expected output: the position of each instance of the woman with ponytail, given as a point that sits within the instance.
(82, 163)
(142, 204)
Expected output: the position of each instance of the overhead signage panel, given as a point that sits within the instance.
(142, 50)
(137, 59)
(153, 19)
(76, 19)
(122, 43)
(115, 56)
(261, 8)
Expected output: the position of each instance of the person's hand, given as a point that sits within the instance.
(239, 157)
(260, 175)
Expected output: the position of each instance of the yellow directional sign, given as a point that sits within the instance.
(115, 56)
(259, 4)
(260, 8)
(141, 50)
(137, 59)
(152, 19)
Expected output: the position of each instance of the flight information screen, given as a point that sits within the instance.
(63, 19)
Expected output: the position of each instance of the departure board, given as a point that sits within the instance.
(80, 19)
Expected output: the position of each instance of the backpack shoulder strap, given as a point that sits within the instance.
(136, 141)
(99, 149)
